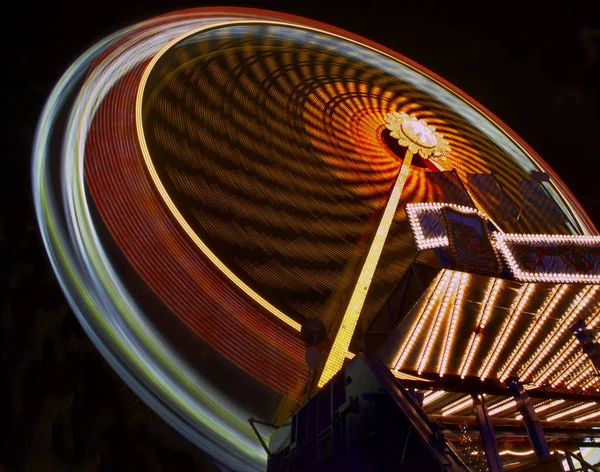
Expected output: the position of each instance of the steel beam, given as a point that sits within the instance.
(588, 343)
(453, 383)
(532, 422)
(588, 429)
(451, 426)
(488, 437)
(421, 424)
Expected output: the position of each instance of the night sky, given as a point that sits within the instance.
(537, 69)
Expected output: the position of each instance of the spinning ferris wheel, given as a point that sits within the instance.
(228, 174)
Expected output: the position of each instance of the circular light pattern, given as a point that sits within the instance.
(419, 134)
(207, 180)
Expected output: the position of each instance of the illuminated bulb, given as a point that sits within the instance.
(516, 453)
(502, 406)
(578, 303)
(590, 382)
(345, 333)
(543, 313)
(570, 411)
(563, 353)
(573, 364)
(589, 416)
(440, 315)
(492, 291)
(501, 240)
(433, 397)
(579, 377)
(457, 406)
(449, 338)
(499, 342)
(555, 362)
(415, 330)
(413, 210)
(543, 406)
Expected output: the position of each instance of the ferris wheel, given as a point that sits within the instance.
(228, 174)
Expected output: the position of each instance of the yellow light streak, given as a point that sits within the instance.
(543, 406)
(433, 397)
(451, 330)
(228, 273)
(165, 194)
(502, 406)
(344, 335)
(543, 313)
(515, 311)
(440, 284)
(456, 402)
(570, 411)
(405, 376)
(439, 317)
(589, 416)
(294, 325)
(516, 453)
(492, 291)
(547, 406)
(458, 405)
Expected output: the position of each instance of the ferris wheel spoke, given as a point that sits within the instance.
(350, 319)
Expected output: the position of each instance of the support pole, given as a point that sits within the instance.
(252, 422)
(488, 438)
(588, 343)
(417, 396)
(532, 422)
(570, 463)
(337, 354)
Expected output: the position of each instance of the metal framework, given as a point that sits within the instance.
(588, 343)
(530, 418)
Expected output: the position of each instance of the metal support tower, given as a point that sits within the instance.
(532, 422)
(486, 431)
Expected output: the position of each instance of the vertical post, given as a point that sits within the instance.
(532, 422)
(488, 437)
(587, 343)
(522, 205)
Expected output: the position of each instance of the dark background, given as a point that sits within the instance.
(536, 66)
